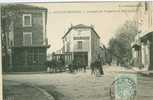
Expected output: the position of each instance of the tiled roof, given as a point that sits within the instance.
(80, 26)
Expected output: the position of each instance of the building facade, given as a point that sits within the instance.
(24, 41)
(143, 45)
(82, 43)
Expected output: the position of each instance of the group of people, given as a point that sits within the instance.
(55, 66)
(74, 66)
(96, 67)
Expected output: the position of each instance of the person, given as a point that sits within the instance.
(99, 65)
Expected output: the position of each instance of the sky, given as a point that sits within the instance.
(106, 17)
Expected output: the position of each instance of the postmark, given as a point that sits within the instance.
(124, 87)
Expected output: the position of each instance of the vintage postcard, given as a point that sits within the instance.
(77, 50)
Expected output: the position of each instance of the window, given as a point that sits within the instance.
(79, 44)
(27, 22)
(27, 38)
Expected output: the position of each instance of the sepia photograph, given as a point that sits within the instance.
(77, 50)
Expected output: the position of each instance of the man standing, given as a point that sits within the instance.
(99, 65)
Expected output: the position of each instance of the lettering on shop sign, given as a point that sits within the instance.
(81, 38)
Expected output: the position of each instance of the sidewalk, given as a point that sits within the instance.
(118, 69)
(144, 72)
(41, 72)
(17, 91)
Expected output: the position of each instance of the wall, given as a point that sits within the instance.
(37, 28)
(145, 26)
(90, 45)
(85, 34)
(73, 43)
(151, 53)
(95, 44)
(145, 18)
(14, 30)
(67, 41)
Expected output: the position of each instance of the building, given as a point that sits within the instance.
(143, 44)
(81, 43)
(24, 41)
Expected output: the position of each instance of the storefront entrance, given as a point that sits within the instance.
(81, 57)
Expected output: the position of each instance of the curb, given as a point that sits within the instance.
(48, 95)
(42, 72)
(144, 73)
(41, 90)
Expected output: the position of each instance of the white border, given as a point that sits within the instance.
(56, 1)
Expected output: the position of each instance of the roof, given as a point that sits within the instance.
(147, 36)
(80, 26)
(23, 6)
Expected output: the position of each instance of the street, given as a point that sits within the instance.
(82, 86)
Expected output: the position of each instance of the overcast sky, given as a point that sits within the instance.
(105, 16)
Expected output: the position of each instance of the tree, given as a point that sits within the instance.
(120, 45)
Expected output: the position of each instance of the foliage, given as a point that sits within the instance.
(120, 45)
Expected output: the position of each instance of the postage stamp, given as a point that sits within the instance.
(124, 87)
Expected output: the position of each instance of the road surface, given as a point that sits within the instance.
(83, 86)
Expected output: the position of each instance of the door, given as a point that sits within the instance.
(81, 57)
